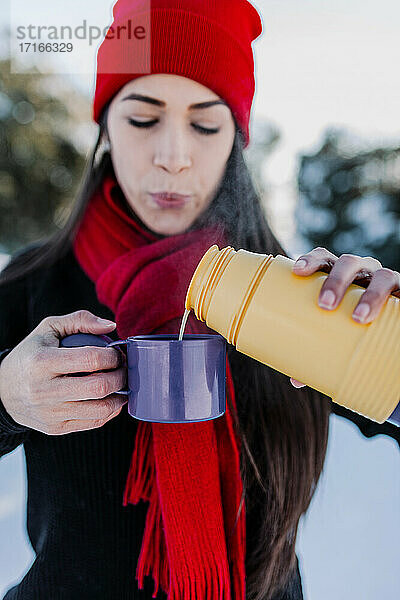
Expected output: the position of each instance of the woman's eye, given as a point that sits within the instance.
(142, 123)
(199, 128)
(205, 130)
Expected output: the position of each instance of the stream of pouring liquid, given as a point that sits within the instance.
(183, 324)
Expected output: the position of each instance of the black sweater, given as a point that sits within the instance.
(86, 542)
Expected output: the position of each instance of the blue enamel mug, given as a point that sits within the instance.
(169, 381)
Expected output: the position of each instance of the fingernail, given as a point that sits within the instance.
(327, 299)
(106, 322)
(361, 311)
(300, 264)
(296, 383)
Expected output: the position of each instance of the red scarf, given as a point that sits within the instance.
(189, 473)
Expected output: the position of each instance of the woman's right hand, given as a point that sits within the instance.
(38, 387)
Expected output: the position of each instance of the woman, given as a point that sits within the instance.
(127, 253)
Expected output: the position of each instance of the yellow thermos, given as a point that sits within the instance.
(271, 314)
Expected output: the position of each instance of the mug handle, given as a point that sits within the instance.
(124, 392)
(90, 339)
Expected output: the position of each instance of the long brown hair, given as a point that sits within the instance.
(284, 431)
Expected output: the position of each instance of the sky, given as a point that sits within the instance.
(318, 64)
(324, 64)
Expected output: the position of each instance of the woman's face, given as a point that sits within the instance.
(163, 143)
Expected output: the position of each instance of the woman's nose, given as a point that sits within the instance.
(172, 151)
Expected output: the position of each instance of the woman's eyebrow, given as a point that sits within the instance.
(156, 102)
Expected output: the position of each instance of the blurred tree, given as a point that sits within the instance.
(40, 166)
(349, 200)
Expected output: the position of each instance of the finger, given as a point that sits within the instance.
(52, 328)
(75, 425)
(88, 387)
(314, 260)
(85, 410)
(297, 384)
(383, 282)
(343, 273)
(85, 359)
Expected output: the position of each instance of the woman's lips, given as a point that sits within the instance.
(164, 200)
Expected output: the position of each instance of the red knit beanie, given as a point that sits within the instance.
(208, 41)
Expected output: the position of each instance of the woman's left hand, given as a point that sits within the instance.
(343, 271)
